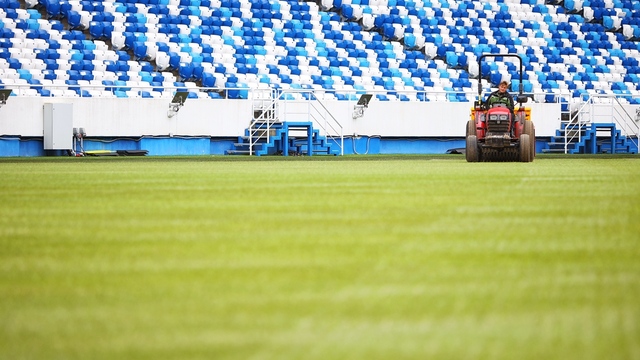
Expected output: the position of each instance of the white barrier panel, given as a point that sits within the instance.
(116, 117)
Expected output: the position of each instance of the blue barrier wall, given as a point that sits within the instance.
(173, 146)
(15, 146)
(12, 146)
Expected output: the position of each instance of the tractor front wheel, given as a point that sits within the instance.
(471, 152)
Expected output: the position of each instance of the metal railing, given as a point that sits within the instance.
(605, 108)
(265, 115)
(129, 90)
(92, 88)
(608, 108)
(314, 110)
(575, 126)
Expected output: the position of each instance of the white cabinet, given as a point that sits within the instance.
(58, 126)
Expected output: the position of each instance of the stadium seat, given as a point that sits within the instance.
(354, 41)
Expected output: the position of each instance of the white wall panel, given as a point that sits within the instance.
(110, 117)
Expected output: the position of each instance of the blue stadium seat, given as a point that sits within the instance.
(569, 48)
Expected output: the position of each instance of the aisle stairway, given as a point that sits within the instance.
(284, 138)
(587, 139)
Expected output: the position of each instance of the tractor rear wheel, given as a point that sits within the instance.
(525, 148)
(530, 130)
(471, 152)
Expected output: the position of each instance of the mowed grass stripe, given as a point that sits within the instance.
(348, 258)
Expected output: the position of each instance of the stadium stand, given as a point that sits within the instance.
(407, 50)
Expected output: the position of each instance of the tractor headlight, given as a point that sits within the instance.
(504, 117)
(493, 117)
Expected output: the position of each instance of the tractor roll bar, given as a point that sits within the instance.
(520, 87)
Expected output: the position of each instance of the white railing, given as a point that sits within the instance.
(608, 108)
(305, 105)
(575, 126)
(601, 108)
(265, 114)
(128, 90)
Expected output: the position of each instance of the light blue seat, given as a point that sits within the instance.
(336, 37)
(25, 74)
(121, 85)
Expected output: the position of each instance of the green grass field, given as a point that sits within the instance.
(380, 257)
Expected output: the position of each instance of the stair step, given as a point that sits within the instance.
(238, 152)
(325, 151)
(299, 143)
(245, 146)
(247, 139)
(624, 149)
(554, 151)
(574, 125)
(272, 122)
(304, 142)
(559, 146)
(571, 136)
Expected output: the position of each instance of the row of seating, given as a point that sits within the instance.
(409, 44)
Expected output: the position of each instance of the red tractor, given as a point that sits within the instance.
(495, 133)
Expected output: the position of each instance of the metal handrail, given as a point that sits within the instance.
(624, 121)
(268, 115)
(311, 99)
(329, 125)
(574, 119)
(617, 114)
(168, 91)
(25, 89)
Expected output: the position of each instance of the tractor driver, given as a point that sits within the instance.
(501, 96)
